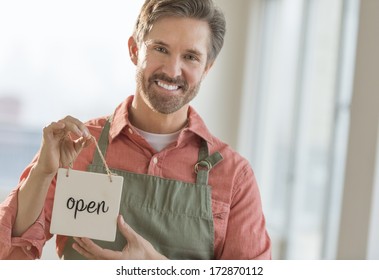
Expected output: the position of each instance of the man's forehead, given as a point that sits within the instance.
(193, 34)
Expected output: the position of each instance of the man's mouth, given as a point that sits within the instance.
(167, 86)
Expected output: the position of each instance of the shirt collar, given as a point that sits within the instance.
(120, 122)
(197, 126)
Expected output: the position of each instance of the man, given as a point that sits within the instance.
(188, 195)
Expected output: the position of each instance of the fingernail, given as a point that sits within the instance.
(122, 219)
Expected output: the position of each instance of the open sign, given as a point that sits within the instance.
(86, 204)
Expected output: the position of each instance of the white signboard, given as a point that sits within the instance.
(86, 204)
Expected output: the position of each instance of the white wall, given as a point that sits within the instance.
(219, 98)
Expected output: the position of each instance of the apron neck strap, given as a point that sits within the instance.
(102, 142)
(205, 163)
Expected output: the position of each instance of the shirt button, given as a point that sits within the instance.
(28, 248)
(155, 160)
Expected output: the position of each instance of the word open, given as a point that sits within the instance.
(91, 207)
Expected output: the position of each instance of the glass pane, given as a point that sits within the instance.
(298, 93)
(57, 57)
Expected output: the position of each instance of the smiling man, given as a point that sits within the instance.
(186, 194)
(171, 61)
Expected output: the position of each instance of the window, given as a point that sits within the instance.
(54, 61)
(56, 57)
(302, 68)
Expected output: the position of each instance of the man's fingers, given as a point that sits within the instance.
(55, 126)
(87, 248)
(75, 126)
(53, 129)
(78, 246)
(125, 229)
(83, 143)
(66, 126)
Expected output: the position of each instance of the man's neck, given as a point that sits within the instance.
(144, 118)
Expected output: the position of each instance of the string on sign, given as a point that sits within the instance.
(102, 158)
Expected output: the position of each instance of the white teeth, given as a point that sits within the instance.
(168, 87)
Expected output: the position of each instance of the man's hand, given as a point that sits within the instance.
(59, 149)
(137, 248)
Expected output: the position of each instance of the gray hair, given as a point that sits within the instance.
(205, 10)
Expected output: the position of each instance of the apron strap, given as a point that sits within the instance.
(103, 143)
(206, 163)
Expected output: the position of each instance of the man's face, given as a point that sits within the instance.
(171, 63)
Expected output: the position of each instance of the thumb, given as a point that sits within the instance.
(125, 229)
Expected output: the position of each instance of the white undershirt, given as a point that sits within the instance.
(158, 141)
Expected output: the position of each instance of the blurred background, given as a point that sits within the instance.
(295, 90)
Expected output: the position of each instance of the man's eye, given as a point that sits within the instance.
(191, 57)
(161, 49)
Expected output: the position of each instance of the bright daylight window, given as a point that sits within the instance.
(55, 60)
(302, 68)
(58, 58)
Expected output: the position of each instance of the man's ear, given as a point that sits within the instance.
(133, 50)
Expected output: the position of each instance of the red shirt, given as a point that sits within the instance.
(239, 223)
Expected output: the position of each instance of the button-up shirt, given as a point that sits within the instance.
(239, 223)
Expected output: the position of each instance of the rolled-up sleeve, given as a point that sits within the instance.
(27, 246)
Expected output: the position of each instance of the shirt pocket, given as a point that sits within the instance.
(220, 211)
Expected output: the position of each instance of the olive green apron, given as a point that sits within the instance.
(174, 216)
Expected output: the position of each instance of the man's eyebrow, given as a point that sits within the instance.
(195, 52)
(156, 42)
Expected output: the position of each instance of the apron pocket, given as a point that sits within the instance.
(220, 212)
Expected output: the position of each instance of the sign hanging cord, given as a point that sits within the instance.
(102, 158)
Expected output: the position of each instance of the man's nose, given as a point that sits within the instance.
(173, 67)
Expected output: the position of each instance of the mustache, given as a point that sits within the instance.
(163, 77)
